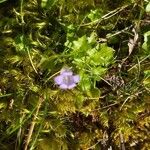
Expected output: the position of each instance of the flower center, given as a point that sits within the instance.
(68, 80)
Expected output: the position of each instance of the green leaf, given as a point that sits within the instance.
(106, 54)
(80, 47)
(102, 57)
(34, 88)
(79, 99)
(92, 38)
(21, 44)
(3, 105)
(47, 3)
(80, 62)
(146, 44)
(146, 81)
(15, 59)
(1, 1)
(147, 73)
(85, 82)
(47, 62)
(148, 7)
(94, 93)
(80, 43)
(98, 71)
(94, 15)
(92, 51)
(43, 3)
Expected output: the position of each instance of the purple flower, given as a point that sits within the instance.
(66, 79)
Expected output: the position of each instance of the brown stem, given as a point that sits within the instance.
(33, 123)
(122, 142)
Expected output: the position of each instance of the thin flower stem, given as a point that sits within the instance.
(52, 76)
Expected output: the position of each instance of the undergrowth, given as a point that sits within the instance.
(106, 43)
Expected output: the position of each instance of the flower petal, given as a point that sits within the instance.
(76, 78)
(58, 79)
(66, 72)
(63, 86)
(71, 86)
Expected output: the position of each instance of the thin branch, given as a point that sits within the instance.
(31, 61)
(106, 106)
(93, 146)
(21, 12)
(124, 102)
(5, 95)
(107, 16)
(139, 62)
(122, 142)
(27, 141)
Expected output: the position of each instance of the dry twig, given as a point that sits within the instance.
(27, 141)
